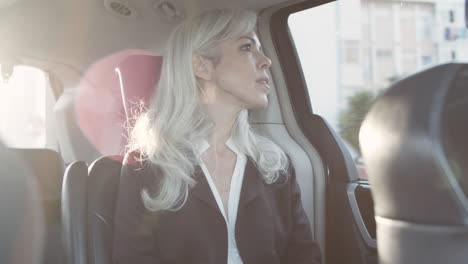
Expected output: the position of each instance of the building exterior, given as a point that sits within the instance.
(380, 41)
(350, 46)
(452, 34)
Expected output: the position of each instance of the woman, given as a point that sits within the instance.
(199, 186)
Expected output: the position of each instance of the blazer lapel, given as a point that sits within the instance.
(202, 189)
(252, 184)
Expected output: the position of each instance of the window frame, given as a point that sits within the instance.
(289, 59)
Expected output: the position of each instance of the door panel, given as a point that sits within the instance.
(350, 226)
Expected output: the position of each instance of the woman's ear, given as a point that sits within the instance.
(202, 67)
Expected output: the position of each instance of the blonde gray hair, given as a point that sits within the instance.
(165, 133)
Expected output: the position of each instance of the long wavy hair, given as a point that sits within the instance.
(166, 134)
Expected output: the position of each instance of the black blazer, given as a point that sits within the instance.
(271, 225)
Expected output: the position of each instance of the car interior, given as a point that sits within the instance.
(101, 62)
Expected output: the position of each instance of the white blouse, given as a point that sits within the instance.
(234, 195)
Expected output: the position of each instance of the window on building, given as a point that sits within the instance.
(409, 62)
(426, 60)
(351, 51)
(384, 53)
(454, 55)
(26, 102)
(426, 22)
(451, 16)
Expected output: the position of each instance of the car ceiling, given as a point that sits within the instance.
(74, 34)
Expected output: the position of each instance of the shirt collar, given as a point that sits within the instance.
(204, 145)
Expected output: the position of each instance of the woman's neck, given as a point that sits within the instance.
(223, 117)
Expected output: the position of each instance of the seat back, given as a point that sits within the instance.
(22, 222)
(88, 206)
(74, 205)
(116, 82)
(415, 150)
(103, 183)
(47, 167)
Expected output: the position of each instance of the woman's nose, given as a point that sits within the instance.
(265, 62)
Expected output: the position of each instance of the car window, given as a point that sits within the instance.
(351, 51)
(26, 102)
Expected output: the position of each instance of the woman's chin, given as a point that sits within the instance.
(259, 105)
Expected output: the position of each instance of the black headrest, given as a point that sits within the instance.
(414, 143)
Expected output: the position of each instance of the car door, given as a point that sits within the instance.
(337, 58)
(303, 33)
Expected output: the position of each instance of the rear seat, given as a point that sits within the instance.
(48, 167)
(21, 226)
(89, 194)
(88, 205)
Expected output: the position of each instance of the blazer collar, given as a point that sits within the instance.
(252, 186)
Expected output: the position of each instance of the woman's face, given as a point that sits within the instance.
(240, 73)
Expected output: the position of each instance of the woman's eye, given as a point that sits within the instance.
(246, 47)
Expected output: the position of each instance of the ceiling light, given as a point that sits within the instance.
(168, 10)
(120, 8)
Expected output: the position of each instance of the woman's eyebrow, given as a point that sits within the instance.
(249, 38)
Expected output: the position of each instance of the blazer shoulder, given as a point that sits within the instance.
(139, 168)
(285, 176)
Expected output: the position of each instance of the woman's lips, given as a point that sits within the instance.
(264, 82)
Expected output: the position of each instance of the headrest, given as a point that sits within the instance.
(108, 89)
(414, 143)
